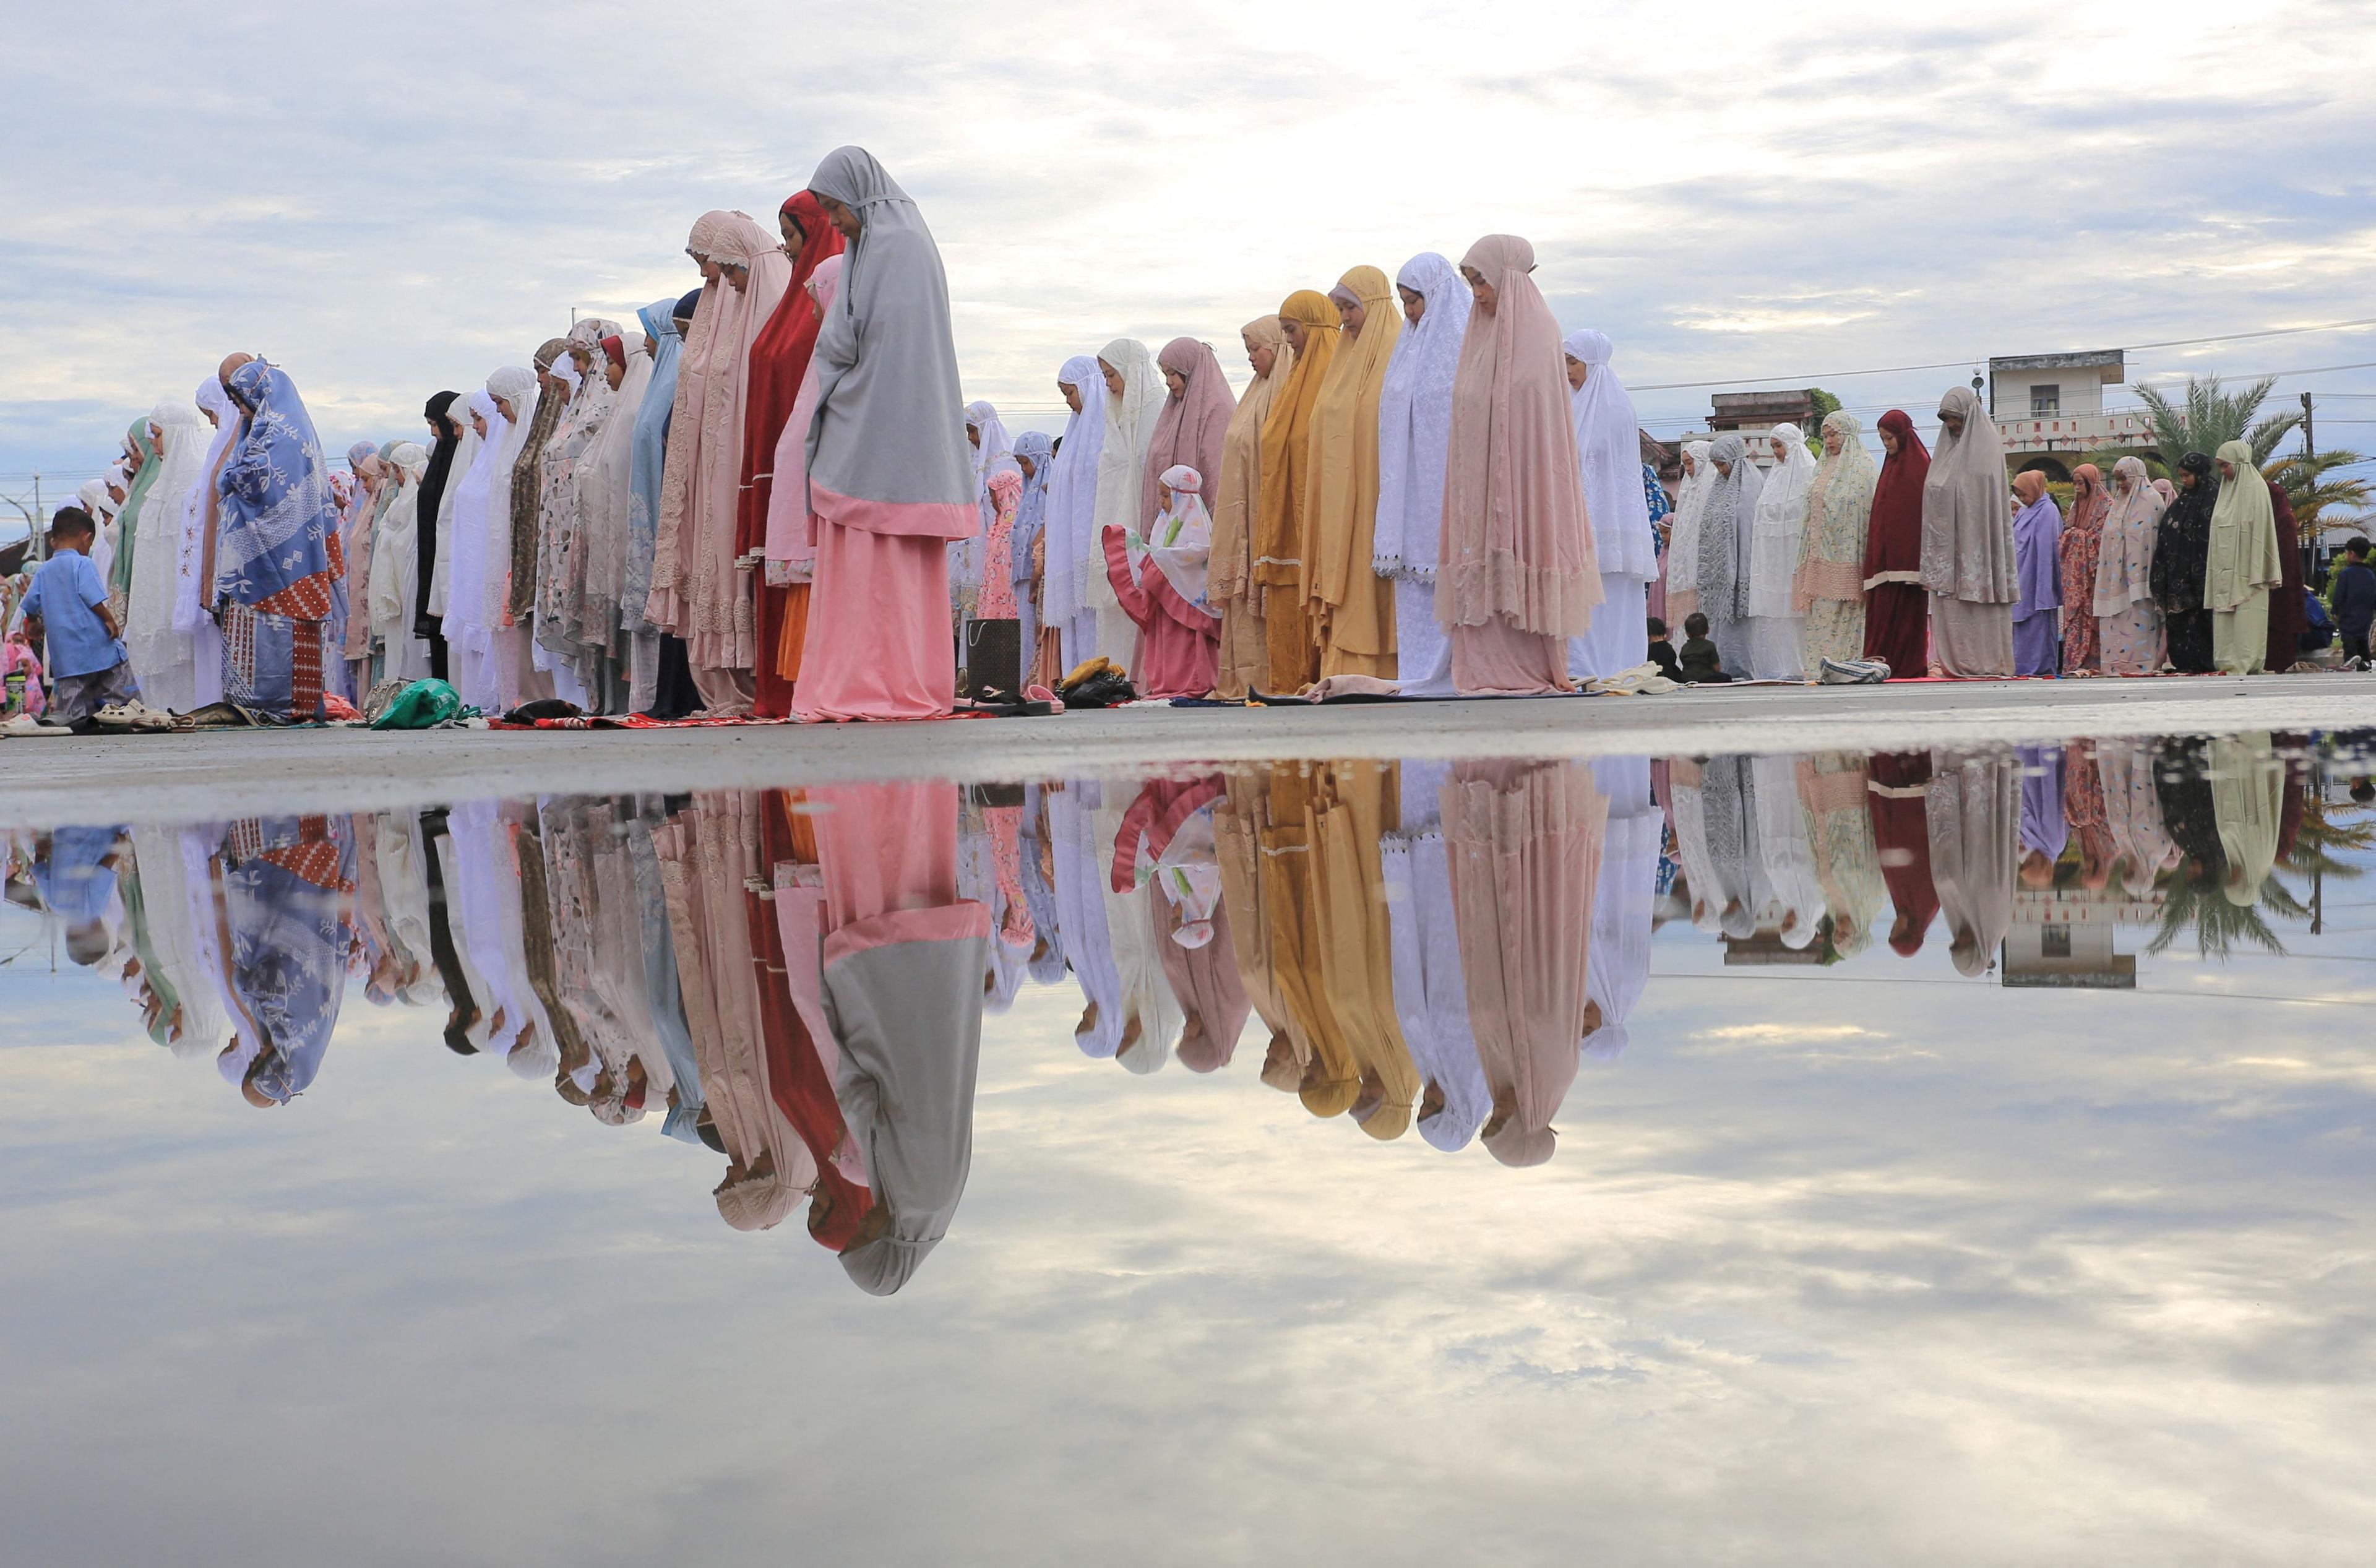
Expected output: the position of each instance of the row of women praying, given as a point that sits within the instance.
(1930, 565)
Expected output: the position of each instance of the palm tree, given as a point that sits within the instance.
(2212, 417)
(2313, 486)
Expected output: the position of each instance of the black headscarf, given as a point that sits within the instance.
(2183, 540)
(433, 492)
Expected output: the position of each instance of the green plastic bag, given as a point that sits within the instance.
(423, 705)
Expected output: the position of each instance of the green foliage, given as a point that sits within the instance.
(2104, 457)
(2320, 497)
(1826, 406)
(2210, 417)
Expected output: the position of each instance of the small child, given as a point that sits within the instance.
(68, 603)
(2351, 598)
(1662, 652)
(1700, 661)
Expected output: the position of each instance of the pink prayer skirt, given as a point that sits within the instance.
(878, 637)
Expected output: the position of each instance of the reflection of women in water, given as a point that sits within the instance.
(1621, 905)
(1167, 842)
(903, 960)
(1431, 1001)
(1973, 807)
(1352, 807)
(281, 890)
(2140, 849)
(2248, 788)
(1832, 791)
(1525, 842)
(1901, 837)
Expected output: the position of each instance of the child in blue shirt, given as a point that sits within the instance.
(68, 601)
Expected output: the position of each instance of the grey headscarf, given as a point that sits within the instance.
(1725, 528)
(1966, 525)
(890, 420)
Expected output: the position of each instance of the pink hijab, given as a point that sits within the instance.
(1192, 425)
(1516, 541)
(720, 624)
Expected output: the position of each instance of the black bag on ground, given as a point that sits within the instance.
(993, 659)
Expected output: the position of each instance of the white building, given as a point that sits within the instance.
(2048, 408)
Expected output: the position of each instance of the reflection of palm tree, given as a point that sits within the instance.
(2195, 898)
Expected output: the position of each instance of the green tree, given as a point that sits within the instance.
(1825, 405)
(2318, 493)
(2211, 416)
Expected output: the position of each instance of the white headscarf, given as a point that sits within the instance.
(188, 601)
(605, 471)
(1181, 546)
(481, 499)
(1073, 496)
(1608, 444)
(995, 442)
(1781, 518)
(1415, 422)
(1684, 542)
(1122, 461)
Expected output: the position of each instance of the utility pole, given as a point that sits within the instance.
(2310, 429)
(40, 550)
(2310, 548)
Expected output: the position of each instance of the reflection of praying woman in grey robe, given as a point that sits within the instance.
(904, 958)
(1619, 967)
(1973, 808)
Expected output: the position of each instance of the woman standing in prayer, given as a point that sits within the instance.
(1608, 445)
(780, 361)
(2035, 636)
(1968, 560)
(2181, 564)
(1781, 523)
(663, 682)
(716, 619)
(360, 531)
(404, 657)
(1069, 537)
(1003, 494)
(1352, 608)
(140, 446)
(506, 665)
(430, 544)
(1034, 452)
(469, 647)
(605, 486)
(1414, 439)
(1681, 566)
(1192, 428)
(2243, 564)
(534, 421)
(1726, 519)
(559, 590)
(162, 654)
(1519, 575)
(889, 484)
(1161, 583)
(789, 546)
(2083, 537)
(990, 446)
(1282, 533)
(1896, 614)
(2289, 615)
(1242, 658)
(1133, 405)
(194, 582)
(277, 571)
(1829, 588)
(2129, 627)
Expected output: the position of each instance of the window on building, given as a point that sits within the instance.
(2045, 400)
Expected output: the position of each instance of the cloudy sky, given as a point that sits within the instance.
(390, 205)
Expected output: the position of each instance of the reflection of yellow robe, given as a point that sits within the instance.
(1332, 1073)
(2248, 803)
(1236, 824)
(1353, 805)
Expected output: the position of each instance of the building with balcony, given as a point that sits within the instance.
(2049, 409)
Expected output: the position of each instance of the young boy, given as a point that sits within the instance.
(1700, 661)
(1662, 652)
(2351, 598)
(68, 603)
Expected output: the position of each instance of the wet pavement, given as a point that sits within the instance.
(1824, 1155)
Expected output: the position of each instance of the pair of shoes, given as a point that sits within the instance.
(133, 714)
(25, 727)
(1853, 672)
